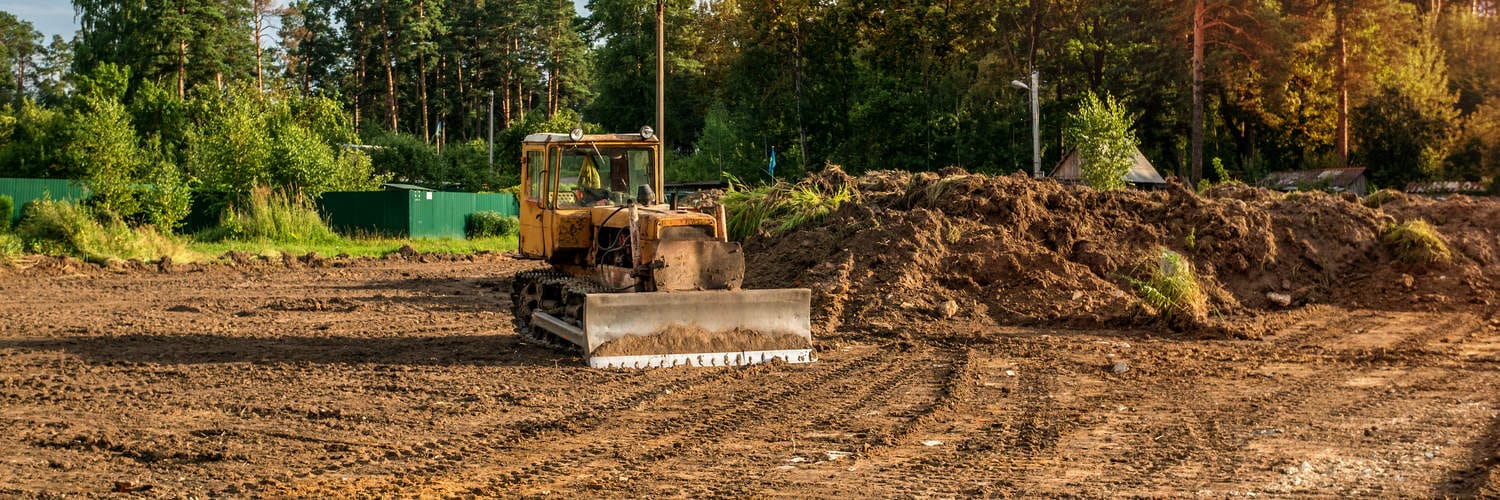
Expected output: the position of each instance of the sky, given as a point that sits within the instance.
(55, 17)
(51, 17)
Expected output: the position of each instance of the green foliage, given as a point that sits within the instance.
(62, 228)
(7, 212)
(1172, 287)
(1100, 130)
(1416, 241)
(271, 216)
(780, 207)
(10, 247)
(486, 223)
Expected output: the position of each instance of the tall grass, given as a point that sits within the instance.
(1417, 241)
(272, 216)
(1172, 288)
(62, 228)
(780, 207)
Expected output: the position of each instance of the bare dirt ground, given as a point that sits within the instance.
(402, 378)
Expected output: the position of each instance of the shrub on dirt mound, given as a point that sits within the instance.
(1017, 250)
(1416, 241)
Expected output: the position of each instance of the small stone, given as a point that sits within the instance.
(933, 442)
(1119, 367)
(835, 455)
(1408, 281)
(1077, 295)
(1286, 284)
(949, 308)
(1305, 466)
(1280, 299)
(1010, 373)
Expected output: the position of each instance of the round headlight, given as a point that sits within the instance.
(647, 133)
(575, 134)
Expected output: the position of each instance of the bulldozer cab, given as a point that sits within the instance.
(563, 175)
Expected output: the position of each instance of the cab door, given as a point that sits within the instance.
(532, 199)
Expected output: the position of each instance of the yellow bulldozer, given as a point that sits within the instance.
(633, 281)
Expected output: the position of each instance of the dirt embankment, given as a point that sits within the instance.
(917, 248)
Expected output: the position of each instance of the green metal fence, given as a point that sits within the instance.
(24, 190)
(415, 214)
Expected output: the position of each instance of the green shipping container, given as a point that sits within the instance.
(413, 214)
(25, 190)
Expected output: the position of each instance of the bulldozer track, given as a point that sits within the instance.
(698, 422)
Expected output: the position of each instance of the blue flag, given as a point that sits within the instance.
(772, 169)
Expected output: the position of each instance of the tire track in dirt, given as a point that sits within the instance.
(989, 455)
(434, 457)
(696, 422)
(831, 410)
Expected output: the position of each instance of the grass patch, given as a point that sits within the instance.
(270, 216)
(62, 228)
(780, 207)
(1417, 241)
(1381, 197)
(1172, 288)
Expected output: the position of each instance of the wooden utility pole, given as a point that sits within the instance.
(1341, 80)
(1196, 173)
(661, 86)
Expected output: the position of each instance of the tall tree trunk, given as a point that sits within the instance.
(1197, 119)
(1341, 80)
(422, 78)
(422, 94)
(359, 78)
(390, 74)
(182, 58)
(257, 7)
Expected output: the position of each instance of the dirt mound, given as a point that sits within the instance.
(679, 339)
(1017, 250)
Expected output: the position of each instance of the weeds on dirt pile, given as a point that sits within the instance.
(780, 207)
(1417, 241)
(62, 228)
(1172, 289)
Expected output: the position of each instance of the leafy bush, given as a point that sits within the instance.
(271, 216)
(62, 228)
(10, 247)
(1172, 288)
(1106, 145)
(7, 209)
(780, 207)
(1417, 241)
(486, 223)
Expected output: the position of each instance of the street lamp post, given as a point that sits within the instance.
(1036, 123)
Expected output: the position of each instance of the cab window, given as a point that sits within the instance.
(590, 175)
(534, 169)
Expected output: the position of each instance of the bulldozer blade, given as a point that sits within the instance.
(612, 316)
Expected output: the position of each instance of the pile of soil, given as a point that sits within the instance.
(680, 339)
(1012, 250)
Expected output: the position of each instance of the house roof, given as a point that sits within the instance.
(1445, 187)
(1337, 178)
(1141, 171)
